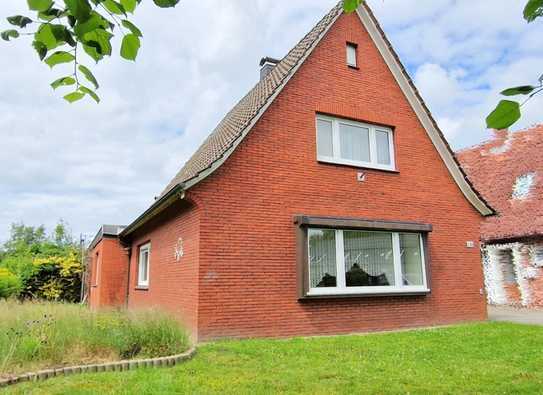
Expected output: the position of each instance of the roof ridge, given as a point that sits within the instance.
(234, 123)
(513, 133)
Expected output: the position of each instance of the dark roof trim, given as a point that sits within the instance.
(361, 223)
(267, 59)
(106, 231)
(178, 192)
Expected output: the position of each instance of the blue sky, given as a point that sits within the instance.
(90, 164)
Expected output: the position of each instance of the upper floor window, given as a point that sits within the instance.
(143, 265)
(351, 54)
(354, 143)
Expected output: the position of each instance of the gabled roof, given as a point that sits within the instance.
(496, 167)
(239, 121)
(236, 122)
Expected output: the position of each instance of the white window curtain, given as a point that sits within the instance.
(353, 261)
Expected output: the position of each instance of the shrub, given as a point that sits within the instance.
(56, 277)
(35, 335)
(10, 284)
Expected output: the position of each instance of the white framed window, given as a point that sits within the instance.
(351, 54)
(143, 265)
(354, 143)
(351, 262)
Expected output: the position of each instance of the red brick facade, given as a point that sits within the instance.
(237, 277)
(109, 273)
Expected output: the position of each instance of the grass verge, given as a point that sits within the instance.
(37, 335)
(488, 358)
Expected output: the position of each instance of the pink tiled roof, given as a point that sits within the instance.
(494, 167)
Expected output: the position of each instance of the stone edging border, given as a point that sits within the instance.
(118, 366)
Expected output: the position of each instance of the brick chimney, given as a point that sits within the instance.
(266, 66)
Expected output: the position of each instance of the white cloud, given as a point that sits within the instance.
(91, 164)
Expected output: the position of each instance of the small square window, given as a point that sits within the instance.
(351, 54)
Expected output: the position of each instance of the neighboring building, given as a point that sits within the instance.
(508, 171)
(326, 201)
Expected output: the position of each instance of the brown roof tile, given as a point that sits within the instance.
(238, 119)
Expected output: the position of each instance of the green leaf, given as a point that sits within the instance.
(129, 5)
(50, 14)
(166, 3)
(74, 96)
(95, 21)
(53, 36)
(130, 26)
(64, 81)
(504, 115)
(58, 58)
(519, 90)
(19, 20)
(90, 92)
(93, 52)
(97, 43)
(114, 7)
(130, 47)
(39, 5)
(79, 9)
(8, 34)
(40, 48)
(89, 76)
(533, 10)
(351, 5)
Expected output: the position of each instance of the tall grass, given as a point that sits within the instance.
(43, 334)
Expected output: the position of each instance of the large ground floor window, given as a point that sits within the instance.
(342, 261)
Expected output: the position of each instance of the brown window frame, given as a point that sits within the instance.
(304, 222)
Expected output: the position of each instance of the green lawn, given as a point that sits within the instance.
(493, 358)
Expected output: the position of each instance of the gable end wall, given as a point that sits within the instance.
(247, 272)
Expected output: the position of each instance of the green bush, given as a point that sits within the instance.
(10, 284)
(35, 335)
(48, 267)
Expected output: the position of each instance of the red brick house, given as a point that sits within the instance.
(508, 170)
(326, 201)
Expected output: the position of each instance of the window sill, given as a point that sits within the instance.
(353, 67)
(141, 288)
(364, 166)
(418, 292)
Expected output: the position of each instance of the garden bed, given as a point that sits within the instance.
(43, 335)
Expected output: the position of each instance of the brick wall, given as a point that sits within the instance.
(238, 276)
(173, 285)
(108, 277)
(247, 238)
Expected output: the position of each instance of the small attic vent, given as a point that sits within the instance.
(523, 185)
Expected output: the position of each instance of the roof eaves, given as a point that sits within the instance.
(234, 144)
(106, 231)
(176, 193)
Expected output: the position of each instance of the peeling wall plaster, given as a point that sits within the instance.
(527, 260)
(506, 146)
(523, 185)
